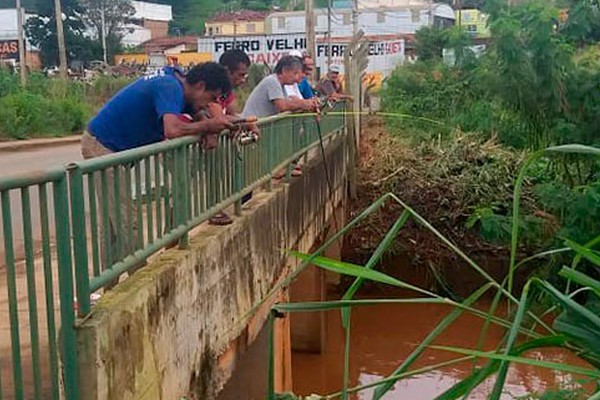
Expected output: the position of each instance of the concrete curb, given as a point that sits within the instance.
(22, 145)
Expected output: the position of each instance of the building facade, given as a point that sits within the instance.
(474, 22)
(244, 22)
(150, 21)
(373, 21)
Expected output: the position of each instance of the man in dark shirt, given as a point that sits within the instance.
(330, 86)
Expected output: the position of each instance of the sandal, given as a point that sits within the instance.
(279, 174)
(220, 219)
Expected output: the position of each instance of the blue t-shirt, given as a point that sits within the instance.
(133, 117)
(305, 89)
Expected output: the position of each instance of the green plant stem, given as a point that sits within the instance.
(397, 377)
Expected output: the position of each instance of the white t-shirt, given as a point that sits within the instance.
(292, 91)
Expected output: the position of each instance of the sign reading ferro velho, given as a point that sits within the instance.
(9, 50)
(383, 55)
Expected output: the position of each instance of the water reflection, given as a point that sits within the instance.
(382, 336)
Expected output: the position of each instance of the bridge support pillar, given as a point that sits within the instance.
(308, 330)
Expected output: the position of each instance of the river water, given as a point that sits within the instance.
(383, 335)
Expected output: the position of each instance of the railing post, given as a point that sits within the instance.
(65, 284)
(238, 180)
(79, 239)
(181, 193)
(12, 295)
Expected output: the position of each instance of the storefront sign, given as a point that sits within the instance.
(9, 50)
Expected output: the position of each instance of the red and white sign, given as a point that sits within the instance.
(384, 55)
(9, 50)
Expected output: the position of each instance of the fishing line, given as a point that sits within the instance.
(327, 177)
(366, 113)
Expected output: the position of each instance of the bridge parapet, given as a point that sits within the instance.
(177, 327)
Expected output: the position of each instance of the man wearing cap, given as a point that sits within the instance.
(331, 86)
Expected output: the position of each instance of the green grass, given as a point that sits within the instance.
(50, 107)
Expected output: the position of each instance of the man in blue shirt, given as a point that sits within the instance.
(147, 111)
(305, 88)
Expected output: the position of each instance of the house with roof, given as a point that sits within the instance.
(242, 22)
(377, 20)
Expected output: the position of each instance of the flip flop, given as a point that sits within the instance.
(220, 219)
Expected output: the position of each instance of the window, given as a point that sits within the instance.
(380, 17)
(280, 22)
(217, 29)
(416, 16)
(210, 31)
(250, 28)
(346, 19)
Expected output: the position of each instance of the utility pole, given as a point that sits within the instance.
(430, 12)
(103, 34)
(60, 33)
(328, 34)
(21, 40)
(310, 28)
(355, 19)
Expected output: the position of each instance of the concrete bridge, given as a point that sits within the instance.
(178, 327)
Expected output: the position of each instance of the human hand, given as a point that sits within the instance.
(252, 127)
(217, 125)
(210, 141)
(311, 105)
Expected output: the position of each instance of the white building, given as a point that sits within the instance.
(362, 4)
(150, 21)
(8, 24)
(373, 21)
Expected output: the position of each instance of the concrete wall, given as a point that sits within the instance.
(177, 327)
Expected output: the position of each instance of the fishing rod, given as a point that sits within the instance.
(325, 166)
(366, 113)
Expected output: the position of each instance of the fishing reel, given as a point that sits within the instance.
(324, 101)
(246, 138)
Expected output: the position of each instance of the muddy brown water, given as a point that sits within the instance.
(383, 336)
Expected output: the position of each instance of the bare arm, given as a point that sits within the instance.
(232, 109)
(174, 127)
(294, 104)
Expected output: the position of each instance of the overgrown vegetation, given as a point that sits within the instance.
(480, 159)
(50, 107)
(535, 86)
(575, 305)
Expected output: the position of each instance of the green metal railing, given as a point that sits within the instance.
(79, 228)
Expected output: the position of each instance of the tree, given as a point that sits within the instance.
(41, 31)
(529, 65)
(116, 13)
(583, 24)
(430, 43)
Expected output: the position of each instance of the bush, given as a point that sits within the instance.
(25, 114)
(50, 107)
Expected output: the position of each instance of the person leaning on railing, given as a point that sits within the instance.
(237, 63)
(148, 111)
(301, 89)
(331, 86)
(269, 96)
